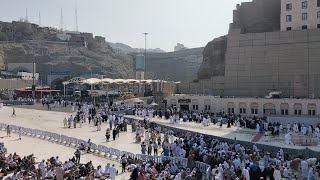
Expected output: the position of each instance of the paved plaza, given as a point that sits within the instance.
(43, 149)
(52, 121)
(229, 133)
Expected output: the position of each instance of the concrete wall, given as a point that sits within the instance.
(257, 16)
(260, 62)
(222, 104)
(12, 84)
(213, 86)
(296, 13)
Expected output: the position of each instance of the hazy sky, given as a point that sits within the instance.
(191, 22)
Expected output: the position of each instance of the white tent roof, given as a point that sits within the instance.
(109, 81)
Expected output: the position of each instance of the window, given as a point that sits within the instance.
(311, 112)
(304, 16)
(254, 111)
(318, 14)
(284, 112)
(230, 110)
(289, 7)
(304, 27)
(243, 111)
(318, 3)
(318, 25)
(288, 28)
(207, 107)
(289, 18)
(304, 4)
(297, 112)
(195, 107)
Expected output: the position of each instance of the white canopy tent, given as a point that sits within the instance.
(96, 81)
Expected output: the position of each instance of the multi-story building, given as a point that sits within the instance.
(300, 14)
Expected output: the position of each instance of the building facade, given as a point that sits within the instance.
(246, 106)
(300, 14)
(28, 76)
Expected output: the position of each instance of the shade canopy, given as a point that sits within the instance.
(92, 81)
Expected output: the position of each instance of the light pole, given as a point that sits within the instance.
(33, 83)
(145, 46)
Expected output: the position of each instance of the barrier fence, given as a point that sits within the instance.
(103, 151)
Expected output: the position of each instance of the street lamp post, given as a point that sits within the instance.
(145, 46)
(33, 82)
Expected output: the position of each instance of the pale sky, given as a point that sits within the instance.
(191, 22)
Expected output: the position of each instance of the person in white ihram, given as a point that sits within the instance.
(113, 172)
(288, 138)
(277, 174)
(20, 133)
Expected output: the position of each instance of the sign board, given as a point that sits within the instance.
(94, 94)
(59, 72)
(140, 62)
(184, 101)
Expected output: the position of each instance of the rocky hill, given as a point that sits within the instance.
(213, 63)
(176, 66)
(59, 56)
(128, 49)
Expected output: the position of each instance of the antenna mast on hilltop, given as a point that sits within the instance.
(39, 23)
(76, 17)
(26, 18)
(61, 20)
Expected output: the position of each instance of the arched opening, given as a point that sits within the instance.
(284, 107)
(254, 108)
(230, 107)
(297, 109)
(243, 108)
(269, 109)
(20, 69)
(312, 109)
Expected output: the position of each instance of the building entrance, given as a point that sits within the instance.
(184, 107)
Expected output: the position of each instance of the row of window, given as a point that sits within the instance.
(254, 111)
(304, 5)
(302, 27)
(304, 17)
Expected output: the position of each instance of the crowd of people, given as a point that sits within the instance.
(15, 167)
(228, 160)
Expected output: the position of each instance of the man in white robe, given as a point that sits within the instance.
(288, 127)
(288, 138)
(304, 130)
(304, 168)
(277, 174)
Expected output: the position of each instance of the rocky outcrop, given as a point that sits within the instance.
(174, 66)
(213, 63)
(60, 56)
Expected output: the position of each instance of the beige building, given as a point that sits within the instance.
(300, 14)
(247, 106)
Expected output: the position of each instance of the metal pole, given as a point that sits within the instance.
(64, 90)
(33, 84)
(145, 46)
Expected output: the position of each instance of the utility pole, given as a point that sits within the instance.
(39, 23)
(145, 46)
(76, 17)
(61, 20)
(33, 82)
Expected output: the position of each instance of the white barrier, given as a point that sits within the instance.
(108, 152)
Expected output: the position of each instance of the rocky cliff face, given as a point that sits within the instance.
(174, 66)
(60, 56)
(213, 58)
